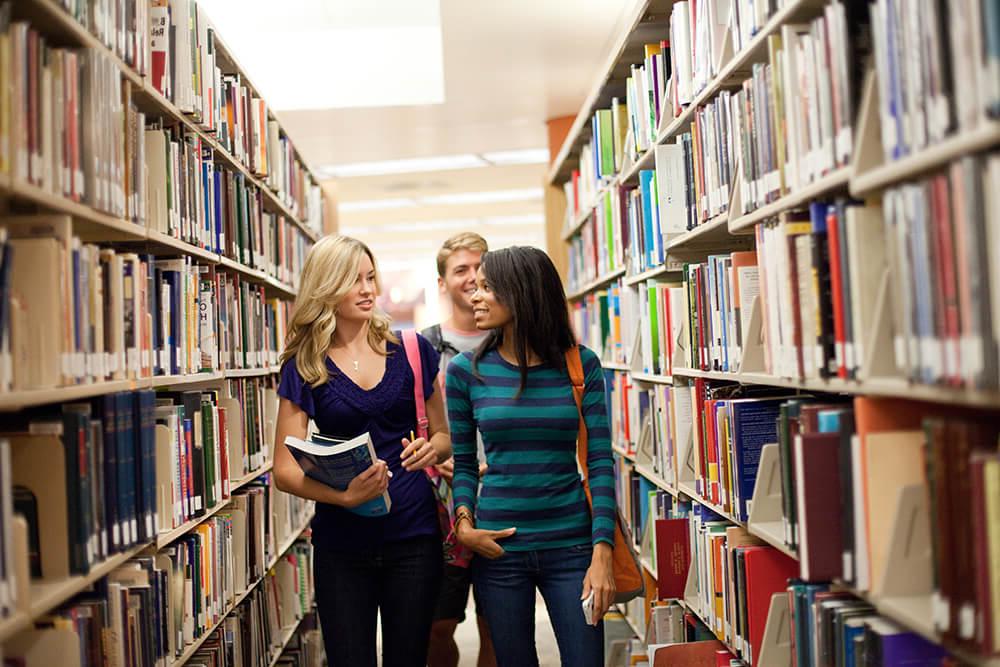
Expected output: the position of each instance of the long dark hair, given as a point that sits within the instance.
(525, 281)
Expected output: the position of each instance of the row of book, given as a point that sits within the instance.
(843, 466)
(254, 631)
(71, 124)
(938, 70)
(100, 314)
(120, 25)
(713, 580)
(151, 609)
(131, 466)
(194, 198)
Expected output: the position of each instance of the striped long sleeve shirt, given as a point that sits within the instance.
(532, 482)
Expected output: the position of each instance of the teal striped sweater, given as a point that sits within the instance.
(532, 482)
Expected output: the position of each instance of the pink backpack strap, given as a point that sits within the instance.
(412, 347)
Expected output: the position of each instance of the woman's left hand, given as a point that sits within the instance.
(600, 579)
(418, 454)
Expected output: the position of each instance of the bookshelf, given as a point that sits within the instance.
(755, 346)
(240, 209)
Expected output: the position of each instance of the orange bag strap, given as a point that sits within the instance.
(575, 367)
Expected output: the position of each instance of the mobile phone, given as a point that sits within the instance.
(588, 608)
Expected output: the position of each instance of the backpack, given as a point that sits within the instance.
(454, 553)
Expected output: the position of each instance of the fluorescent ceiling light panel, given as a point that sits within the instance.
(375, 204)
(310, 54)
(527, 156)
(489, 197)
(410, 166)
(512, 220)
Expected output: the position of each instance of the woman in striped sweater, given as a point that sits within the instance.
(529, 523)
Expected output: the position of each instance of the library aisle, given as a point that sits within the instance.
(777, 223)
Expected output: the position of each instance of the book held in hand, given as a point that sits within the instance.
(336, 462)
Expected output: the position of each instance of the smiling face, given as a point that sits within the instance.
(487, 310)
(459, 281)
(359, 303)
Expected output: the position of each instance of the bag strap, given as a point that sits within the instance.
(575, 367)
(412, 347)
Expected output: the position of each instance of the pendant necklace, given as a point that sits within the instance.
(355, 365)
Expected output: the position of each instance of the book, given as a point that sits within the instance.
(336, 462)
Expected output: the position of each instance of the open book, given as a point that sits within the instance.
(336, 462)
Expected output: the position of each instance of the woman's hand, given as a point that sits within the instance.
(370, 484)
(418, 454)
(483, 542)
(446, 470)
(600, 579)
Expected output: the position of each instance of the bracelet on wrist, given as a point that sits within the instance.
(459, 518)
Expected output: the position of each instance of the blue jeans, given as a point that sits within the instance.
(399, 580)
(506, 589)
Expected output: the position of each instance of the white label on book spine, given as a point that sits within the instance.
(940, 613)
(967, 621)
(839, 354)
(197, 503)
(149, 524)
(112, 363)
(929, 359)
(848, 566)
(773, 181)
(67, 364)
(845, 141)
(132, 358)
(952, 358)
(849, 358)
(165, 361)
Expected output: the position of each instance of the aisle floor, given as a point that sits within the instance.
(467, 638)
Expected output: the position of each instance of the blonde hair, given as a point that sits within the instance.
(460, 241)
(330, 271)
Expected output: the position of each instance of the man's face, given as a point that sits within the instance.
(459, 280)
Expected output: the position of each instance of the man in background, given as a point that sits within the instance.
(457, 264)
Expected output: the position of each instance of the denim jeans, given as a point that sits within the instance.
(506, 589)
(400, 580)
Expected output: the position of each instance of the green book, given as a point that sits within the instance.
(208, 452)
(654, 327)
(606, 135)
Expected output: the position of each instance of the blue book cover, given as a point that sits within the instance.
(646, 177)
(903, 648)
(218, 212)
(126, 468)
(336, 462)
(755, 424)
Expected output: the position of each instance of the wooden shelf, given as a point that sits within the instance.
(654, 272)
(836, 180)
(623, 610)
(249, 372)
(44, 596)
(196, 644)
(646, 23)
(711, 232)
(18, 400)
(286, 638)
(656, 480)
(594, 284)
(185, 379)
(649, 567)
(933, 157)
(734, 72)
(620, 451)
(587, 210)
(614, 366)
(653, 378)
(645, 161)
(165, 538)
(871, 386)
(58, 22)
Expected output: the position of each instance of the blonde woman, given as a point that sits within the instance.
(346, 370)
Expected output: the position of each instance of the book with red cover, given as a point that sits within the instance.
(673, 557)
(817, 488)
(767, 572)
(693, 654)
(722, 658)
(837, 268)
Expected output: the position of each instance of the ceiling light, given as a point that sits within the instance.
(490, 197)
(430, 225)
(410, 166)
(375, 204)
(503, 220)
(391, 51)
(526, 156)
